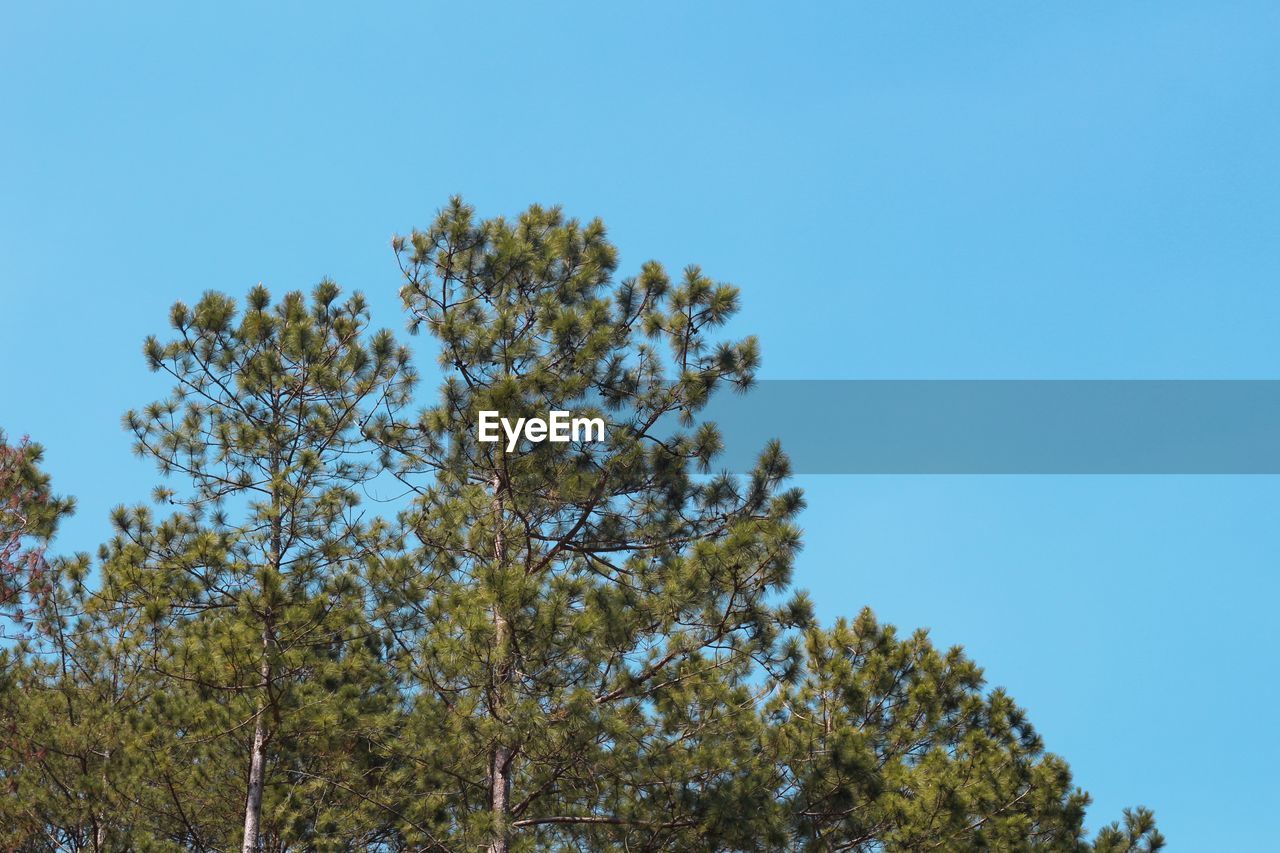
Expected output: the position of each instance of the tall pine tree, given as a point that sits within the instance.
(250, 586)
(593, 613)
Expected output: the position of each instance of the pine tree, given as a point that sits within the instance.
(250, 587)
(591, 608)
(66, 690)
(889, 743)
(29, 516)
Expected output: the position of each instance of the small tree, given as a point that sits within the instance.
(889, 743)
(29, 516)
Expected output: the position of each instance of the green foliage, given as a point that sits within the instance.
(583, 645)
(1137, 835)
(581, 595)
(890, 743)
(248, 596)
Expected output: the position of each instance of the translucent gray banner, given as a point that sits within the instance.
(1006, 426)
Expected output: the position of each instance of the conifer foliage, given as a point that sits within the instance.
(595, 611)
(249, 591)
(29, 516)
(588, 645)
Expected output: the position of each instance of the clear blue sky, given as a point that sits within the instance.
(941, 190)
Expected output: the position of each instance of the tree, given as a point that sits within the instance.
(250, 588)
(71, 703)
(888, 743)
(578, 594)
(29, 516)
(65, 686)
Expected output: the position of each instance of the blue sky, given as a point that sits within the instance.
(933, 190)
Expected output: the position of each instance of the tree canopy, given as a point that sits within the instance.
(590, 644)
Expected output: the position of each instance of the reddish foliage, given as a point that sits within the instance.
(28, 513)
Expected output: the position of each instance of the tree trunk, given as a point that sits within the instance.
(500, 790)
(502, 754)
(258, 757)
(100, 823)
